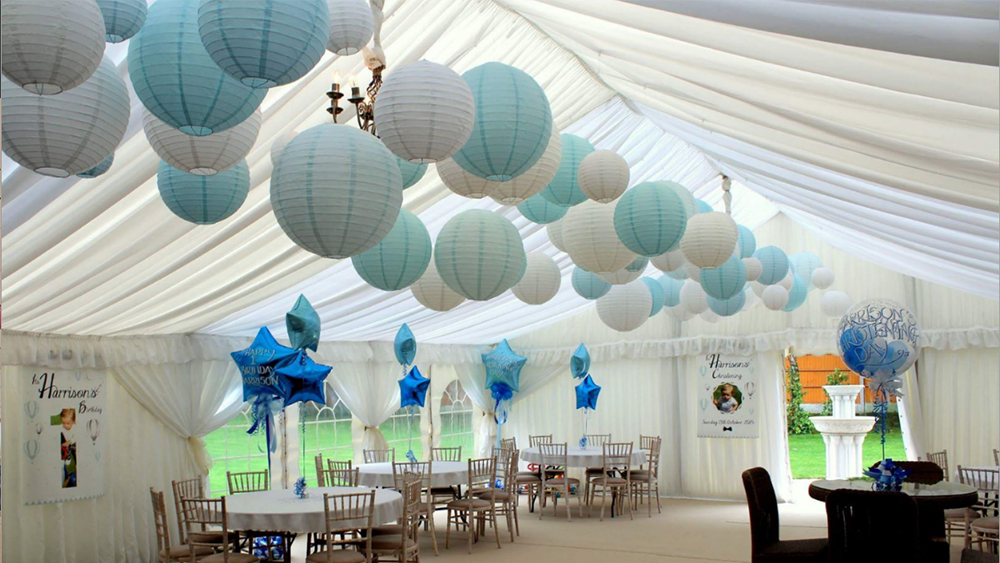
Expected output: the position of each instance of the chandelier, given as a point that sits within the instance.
(363, 103)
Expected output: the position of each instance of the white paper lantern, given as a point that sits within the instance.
(479, 254)
(709, 239)
(66, 134)
(625, 307)
(690, 203)
(51, 46)
(279, 144)
(835, 304)
(540, 281)
(603, 176)
(425, 112)
(202, 156)
(754, 268)
(532, 182)
(463, 183)
(774, 297)
(627, 274)
(709, 316)
(757, 288)
(431, 291)
(555, 232)
(679, 313)
(693, 297)
(591, 240)
(788, 281)
(693, 272)
(351, 26)
(669, 261)
(822, 277)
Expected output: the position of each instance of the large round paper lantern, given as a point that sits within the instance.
(205, 155)
(541, 280)
(804, 264)
(822, 277)
(410, 172)
(878, 339)
(459, 181)
(431, 291)
(679, 274)
(203, 200)
(513, 123)
(709, 316)
(709, 239)
(50, 46)
(693, 297)
(539, 210)
(746, 243)
(69, 133)
(279, 144)
(100, 169)
(603, 176)
(671, 290)
(690, 203)
(727, 307)
(774, 264)
(351, 26)
(588, 285)
(797, 294)
(788, 281)
(399, 259)
(774, 297)
(564, 189)
(336, 191)
(479, 254)
(680, 313)
(658, 294)
(532, 182)
(754, 268)
(703, 206)
(122, 18)
(650, 219)
(669, 261)
(725, 281)
(591, 240)
(177, 81)
(835, 304)
(693, 272)
(625, 307)
(425, 112)
(264, 44)
(627, 274)
(555, 232)
(757, 288)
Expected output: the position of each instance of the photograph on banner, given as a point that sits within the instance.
(63, 450)
(726, 397)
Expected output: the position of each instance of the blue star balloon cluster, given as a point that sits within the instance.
(503, 371)
(579, 364)
(413, 389)
(586, 393)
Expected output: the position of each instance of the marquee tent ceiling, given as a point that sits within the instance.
(884, 145)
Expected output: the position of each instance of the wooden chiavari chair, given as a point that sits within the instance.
(380, 456)
(647, 481)
(473, 512)
(165, 552)
(556, 455)
(981, 519)
(248, 482)
(193, 488)
(404, 547)
(211, 513)
(506, 497)
(617, 457)
(344, 541)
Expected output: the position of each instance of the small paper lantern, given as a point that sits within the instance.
(431, 291)
(541, 280)
(835, 304)
(203, 200)
(479, 254)
(101, 168)
(564, 189)
(206, 155)
(177, 81)
(627, 274)
(757, 288)
(399, 259)
(774, 297)
(693, 297)
(658, 294)
(425, 111)
(709, 316)
(725, 281)
(788, 281)
(625, 307)
(804, 264)
(650, 219)
(669, 261)
(591, 240)
(710, 239)
(351, 26)
(727, 307)
(555, 232)
(822, 277)
(66, 134)
(774, 264)
(671, 291)
(680, 313)
(51, 46)
(532, 182)
(797, 294)
(410, 172)
(588, 285)
(690, 203)
(539, 210)
(513, 123)
(693, 272)
(679, 274)
(459, 181)
(603, 176)
(279, 144)
(754, 268)
(746, 243)
(703, 206)
(122, 18)
(336, 191)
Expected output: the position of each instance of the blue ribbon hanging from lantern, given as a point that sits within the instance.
(503, 377)
(413, 386)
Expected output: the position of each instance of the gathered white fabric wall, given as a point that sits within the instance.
(371, 391)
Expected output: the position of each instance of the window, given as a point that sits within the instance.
(456, 420)
(327, 431)
(402, 434)
(232, 449)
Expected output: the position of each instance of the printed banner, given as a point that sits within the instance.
(727, 400)
(64, 434)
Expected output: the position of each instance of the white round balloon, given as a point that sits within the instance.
(775, 297)
(431, 291)
(693, 297)
(603, 176)
(835, 304)
(710, 239)
(625, 307)
(754, 268)
(822, 277)
(591, 241)
(669, 261)
(540, 281)
(206, 155)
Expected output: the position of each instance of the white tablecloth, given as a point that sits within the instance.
(578, 457)
(282, 511)
(443, 474)
(957, 479)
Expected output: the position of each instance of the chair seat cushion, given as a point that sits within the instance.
(561, 481)
(527, 478)
(611, 481)
(388, 530)
(338, 556)
(468, 504)
(955, 514)
(990, 523)
(389, 543)
(795, 551)
(212, 536)
(233, 558)
(499, 496)
(184, 551)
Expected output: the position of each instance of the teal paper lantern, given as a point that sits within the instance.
(177, 81)
(564, 189)
(411, 172)
(400, 258)
(539, 210)
(727, 307)
(797, 295)
(658, 293)
(122, 18)
(650, 219)
(513, 123)
(671, 290)
(774, 264)
(588, 285)
(804, 264)
(725, 281)
(336, 191)
(479, 254)
(264, 43)
(703, 206)
(746, 243)
(101, 168)
(203, 200)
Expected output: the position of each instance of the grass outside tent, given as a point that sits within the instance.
(808, 454)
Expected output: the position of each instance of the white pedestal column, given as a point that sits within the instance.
(843, 433)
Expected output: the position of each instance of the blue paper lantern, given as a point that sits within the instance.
(513, 123)
(399, 259)
(658, 293)
(539, 210)
(650, 219)
(586, 393)
(579, 364)
(746, 243)
(774, 264)
(101, 168)
(727, 307)
(122, 18)
(405, 346)
(303, 325)
(479, 254)
(588, 285)
(671, 290)
(413, 389)
(703, 206)
(203, 200)
(804, 264)
(411, 172)
(264, 43)
(175, 78)
(725, 281)
(797, 295)
(564, 189)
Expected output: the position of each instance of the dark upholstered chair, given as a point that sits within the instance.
(766, 547)
(923, 472)
(873, 526)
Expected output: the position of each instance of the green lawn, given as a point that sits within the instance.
(808, 454)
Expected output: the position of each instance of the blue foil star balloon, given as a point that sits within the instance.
(580, 362)
(306, 380)
(503, 371)
(405, 347)
(303, 325)
(257, 366)
(586, 394)
(413, 389)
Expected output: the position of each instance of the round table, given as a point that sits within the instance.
(940, 496)
(579, 457)
(282, 511)
(443, 474)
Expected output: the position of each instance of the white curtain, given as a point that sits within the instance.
(371, 391)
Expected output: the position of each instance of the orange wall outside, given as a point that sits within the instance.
(813, 371)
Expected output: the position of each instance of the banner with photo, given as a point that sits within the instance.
(727, 399)
(62, 457)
